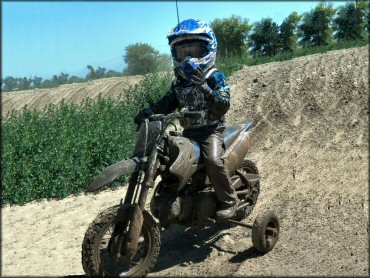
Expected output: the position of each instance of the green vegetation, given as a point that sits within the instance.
(141, 58)
(264, 39)
(287, 35)
(231, 34)
(231, 64)
(315, 27)
(59, 150)
(349, 23)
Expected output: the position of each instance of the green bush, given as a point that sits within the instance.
(58, 151)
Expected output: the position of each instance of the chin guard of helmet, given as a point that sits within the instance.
(186, 68)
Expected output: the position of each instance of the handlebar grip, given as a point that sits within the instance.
(185, 114)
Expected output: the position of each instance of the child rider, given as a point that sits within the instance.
(199, 86)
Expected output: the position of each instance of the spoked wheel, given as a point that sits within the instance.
(265, 231)
(248, 199)
(99, 247)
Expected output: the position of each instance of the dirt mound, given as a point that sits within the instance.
(70, 93)
(311, 147)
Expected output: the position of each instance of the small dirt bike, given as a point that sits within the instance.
(124, 240)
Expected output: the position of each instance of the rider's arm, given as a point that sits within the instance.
(219, 94)
(166, 104)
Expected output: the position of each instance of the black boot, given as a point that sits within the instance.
(226, 210)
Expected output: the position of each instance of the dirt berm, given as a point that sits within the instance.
(69, 93)
(311, 147)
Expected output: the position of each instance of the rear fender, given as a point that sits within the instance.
(123, 167)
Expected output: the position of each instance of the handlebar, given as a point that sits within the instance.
(156, 117)
(184, 113)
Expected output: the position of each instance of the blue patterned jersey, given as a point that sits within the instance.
(184, 94)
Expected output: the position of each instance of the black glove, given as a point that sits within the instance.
(180, 73)
(143, 114)
(199, 79)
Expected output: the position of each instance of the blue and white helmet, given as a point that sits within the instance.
(194, 30)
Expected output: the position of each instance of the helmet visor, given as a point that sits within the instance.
(193, 49)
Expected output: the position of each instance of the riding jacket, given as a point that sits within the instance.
(184, 94)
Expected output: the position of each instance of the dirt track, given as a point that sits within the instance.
(311, 147)
(69, 93)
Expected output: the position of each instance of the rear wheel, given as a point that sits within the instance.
(249, 199)
(98, 245)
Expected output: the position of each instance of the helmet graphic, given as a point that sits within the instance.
(193, 44)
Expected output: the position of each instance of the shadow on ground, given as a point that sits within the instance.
(247, 254)
(181, 246)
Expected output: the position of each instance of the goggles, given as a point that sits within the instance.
(193, 49)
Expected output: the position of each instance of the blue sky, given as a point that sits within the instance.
(46, 38)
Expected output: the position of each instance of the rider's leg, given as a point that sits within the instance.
(218, 174)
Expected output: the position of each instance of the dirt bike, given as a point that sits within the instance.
(124, 240)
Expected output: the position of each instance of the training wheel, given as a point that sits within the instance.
(265, 231)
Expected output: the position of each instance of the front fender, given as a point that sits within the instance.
(120, 168)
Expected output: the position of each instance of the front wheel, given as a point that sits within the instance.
(97, 253)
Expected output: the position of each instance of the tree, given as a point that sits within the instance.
(100, 72)
(141, 58)
(349, 24)
(231, 34)
(315, 27)
(47, 83)
(24, 83)
(264, 39)
(37, 82)
(287, 35)
(112, 73)
(91, 75)
(55, 81)
(364, 6)
(75, 79)
(62, 78)
(95, 73)
(9, 83)
(164, 62)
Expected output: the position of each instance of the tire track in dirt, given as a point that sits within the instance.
(301, 144)
(70, 93)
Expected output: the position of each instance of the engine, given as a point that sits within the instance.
(187, 208)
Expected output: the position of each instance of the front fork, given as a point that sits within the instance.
(129, 243)
(147, 183)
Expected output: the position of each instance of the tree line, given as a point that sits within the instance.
(320, 26)
(10, 83)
